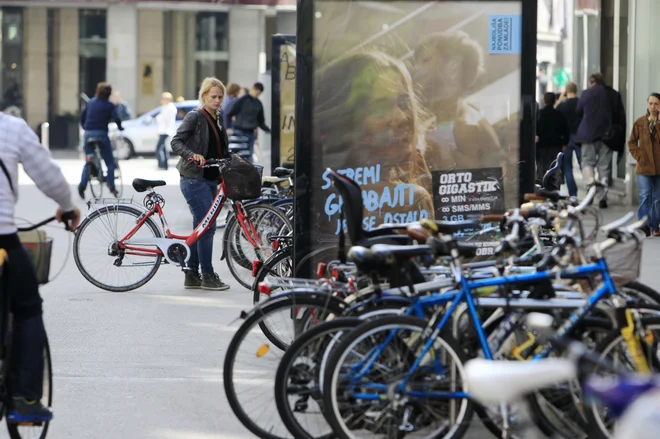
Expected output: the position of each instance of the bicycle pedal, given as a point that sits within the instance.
(117, 262)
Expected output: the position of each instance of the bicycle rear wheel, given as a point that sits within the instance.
(95, 173)
(37, 431)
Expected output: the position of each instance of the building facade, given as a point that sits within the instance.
(54, 53)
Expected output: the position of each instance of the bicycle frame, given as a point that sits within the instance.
(465, 295)
(212, 214)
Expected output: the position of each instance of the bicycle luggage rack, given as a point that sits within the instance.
(111, 201)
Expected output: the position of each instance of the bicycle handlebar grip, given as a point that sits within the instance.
(491, 219)
(67, 217)
(533, 197)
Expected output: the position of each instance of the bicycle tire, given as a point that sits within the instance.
(267, 268)
(595, 426)
(96, 214)
(286, 363)
(47, 399)
(119, 181)
(386, 323)
(280, 302)
(233, 235)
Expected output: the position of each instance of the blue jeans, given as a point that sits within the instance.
(161, 152)
(250, 137)
(199, 195)
(568, 165)
(649, 199)
(106, 155)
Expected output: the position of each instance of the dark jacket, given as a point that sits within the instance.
(98, 114)
(226, 108)
(594, 109)
(552, 128)
(567, 108)
(249, 114)
(192, 137)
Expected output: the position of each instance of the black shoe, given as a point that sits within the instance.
(647, 230)
(24, 411)
(81, 192)
(602, 204)
(193, 280)
(211, 281)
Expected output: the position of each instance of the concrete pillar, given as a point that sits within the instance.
(286, 22)
(151, 54)
(246, 45)
(35, 65)
(177, 63)
(122, 61)
(66, 60)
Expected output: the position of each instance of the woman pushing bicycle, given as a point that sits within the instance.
(200, 137)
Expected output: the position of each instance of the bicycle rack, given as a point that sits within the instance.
(98, 202)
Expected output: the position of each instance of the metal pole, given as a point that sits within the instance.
(45, 135)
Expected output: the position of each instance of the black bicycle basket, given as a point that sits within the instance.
(242, 179)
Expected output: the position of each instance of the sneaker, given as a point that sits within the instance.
(602, 204)
(211, 281)
(193, 280)
(656, 233)
(114, 193)
(81, 192)
(27, 411)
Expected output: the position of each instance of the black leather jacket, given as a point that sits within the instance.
(192, 137)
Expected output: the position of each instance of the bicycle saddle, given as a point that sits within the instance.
(94, 140)
(288, 165)
(141, 185)
(282, 172)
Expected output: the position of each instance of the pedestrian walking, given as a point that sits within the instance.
(644, 146)
(567, 105)
(166, 120)
(552, 135)
(249, 114)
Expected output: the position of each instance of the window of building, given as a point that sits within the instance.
(212, 33)
(211, 46)
(11, 58)
(92, 49)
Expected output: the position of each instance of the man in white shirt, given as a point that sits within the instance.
(19, 144)
(166, 119)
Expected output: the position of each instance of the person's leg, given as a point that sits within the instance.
(29, 334)
(568, 170)
(251, 139)
(161, 152)
(604, 164)
(190, 187)
(84, 178)
(210, 280)
(645, 188)
(109, 159)
(655, 204)
(589, 161)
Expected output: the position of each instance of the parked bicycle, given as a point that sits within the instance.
(126, 239)
(98, 176)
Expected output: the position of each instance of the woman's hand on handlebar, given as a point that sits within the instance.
(199, 159)
(71, 219)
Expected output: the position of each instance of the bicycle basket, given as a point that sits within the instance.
(40, 248)
(624, 260)
(242, 179)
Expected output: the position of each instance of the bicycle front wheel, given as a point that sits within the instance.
(96, 243)
(361, 395)
(37, 431)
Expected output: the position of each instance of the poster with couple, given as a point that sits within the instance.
(419, 103)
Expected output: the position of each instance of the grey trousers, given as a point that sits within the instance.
(596, 156)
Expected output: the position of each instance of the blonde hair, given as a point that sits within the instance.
(167, 95)
(207, 85)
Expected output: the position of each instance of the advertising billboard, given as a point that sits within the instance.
(419, 102)
(283, 99)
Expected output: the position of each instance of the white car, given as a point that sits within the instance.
(140, 136)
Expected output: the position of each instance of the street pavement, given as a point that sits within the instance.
(148, 363)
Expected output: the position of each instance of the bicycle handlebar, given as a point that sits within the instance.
(67, 217)
(212, 163)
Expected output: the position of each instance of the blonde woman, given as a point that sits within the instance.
(196, 140)
(166, 120)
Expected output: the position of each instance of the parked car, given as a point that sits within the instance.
(140, 135)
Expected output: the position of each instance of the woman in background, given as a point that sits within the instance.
(94, 119)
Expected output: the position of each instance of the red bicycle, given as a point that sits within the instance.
(130, 237)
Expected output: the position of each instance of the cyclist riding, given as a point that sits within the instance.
(19, 144)
(94, 119)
